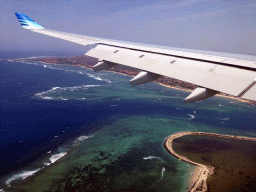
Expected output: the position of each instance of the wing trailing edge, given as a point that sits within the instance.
(211, 73)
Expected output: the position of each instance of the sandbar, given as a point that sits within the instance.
(202, 172)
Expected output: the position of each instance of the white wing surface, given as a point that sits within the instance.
(211, 73)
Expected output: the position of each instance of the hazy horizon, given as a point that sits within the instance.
(222, 26)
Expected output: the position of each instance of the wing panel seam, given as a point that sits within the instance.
(184, 57)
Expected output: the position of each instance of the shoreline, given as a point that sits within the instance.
(168, 86)
(218, 95)
(41, 164)
(202, 172)
(199, 169)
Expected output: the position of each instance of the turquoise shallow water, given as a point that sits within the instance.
(124, 150)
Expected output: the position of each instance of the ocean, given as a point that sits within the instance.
(68, 128)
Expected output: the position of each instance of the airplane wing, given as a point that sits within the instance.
(212, 74)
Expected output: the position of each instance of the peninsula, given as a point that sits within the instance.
(202, 171)
(89, 62)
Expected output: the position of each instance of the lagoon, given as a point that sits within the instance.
(81, 130)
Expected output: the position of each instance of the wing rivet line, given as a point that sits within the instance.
(183, 57)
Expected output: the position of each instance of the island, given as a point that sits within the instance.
(202, 172)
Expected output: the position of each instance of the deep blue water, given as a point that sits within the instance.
(29, 125)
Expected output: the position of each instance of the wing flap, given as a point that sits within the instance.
(230, 75)
(251, 93)
(204, 74)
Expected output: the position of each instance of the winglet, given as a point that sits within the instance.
(27, 22)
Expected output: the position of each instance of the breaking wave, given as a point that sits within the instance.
(83, 98)
(223, 119)
(163, 170)
(55, 157)
(34, 57)
(107, 80)
(21, 176)
(64, 149)
(191, 116)
(152, 157)
(25, 62)
(82, 138)
(51, 94)
(50, 66)
(47, 98)
(61, 152)
(96, 78)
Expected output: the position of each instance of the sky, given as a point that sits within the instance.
(213, 25)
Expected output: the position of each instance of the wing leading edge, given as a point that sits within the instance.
(212, 74)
